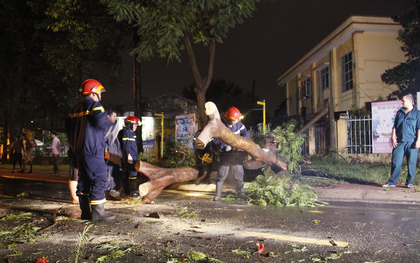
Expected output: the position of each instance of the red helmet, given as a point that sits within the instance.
(133, 120)
(232, 114)
(90, 86)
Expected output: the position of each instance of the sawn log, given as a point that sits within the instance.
(159, 178)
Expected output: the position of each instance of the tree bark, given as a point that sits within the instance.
(159, 178)
(202, 84)
(216, 128)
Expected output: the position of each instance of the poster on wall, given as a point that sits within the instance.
(185, 127)
(383, 116)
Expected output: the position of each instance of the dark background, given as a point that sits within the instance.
(260, 49)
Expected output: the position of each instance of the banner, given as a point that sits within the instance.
(383, 116)
(149, 144)
(185, 127)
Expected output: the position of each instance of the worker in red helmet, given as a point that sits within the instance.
(130, 153)
(231, 158)
(86, 126)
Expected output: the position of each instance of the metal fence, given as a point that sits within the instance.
(320, 140)
(359, 135)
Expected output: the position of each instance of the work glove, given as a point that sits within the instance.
(130, 159)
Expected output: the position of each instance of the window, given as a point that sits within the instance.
(347, 72)
(307, 85)
(305, 89)
(325, 78)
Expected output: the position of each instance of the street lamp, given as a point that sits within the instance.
(263, 103)
(161, 137)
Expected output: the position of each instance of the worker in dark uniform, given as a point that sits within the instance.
(231, 158)
(130, 153)
(86, 126)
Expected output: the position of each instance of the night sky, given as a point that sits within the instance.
(260, 49)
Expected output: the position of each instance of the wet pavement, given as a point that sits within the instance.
(364, 222)
(336, 192)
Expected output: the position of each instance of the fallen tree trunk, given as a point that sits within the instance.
(215, 128)
(159, 178)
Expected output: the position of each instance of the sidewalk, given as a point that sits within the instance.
(61, 177)
(338, 192)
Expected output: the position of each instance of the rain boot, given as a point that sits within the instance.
(85, 207)
(134, 190)
(99, 213)
(218, 196)
(240, 190)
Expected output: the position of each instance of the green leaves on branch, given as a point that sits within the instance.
(407, 74)
(162, 25)
(267, 190)
(289, 146)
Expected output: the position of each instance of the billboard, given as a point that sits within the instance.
(383, 116)
(185, 127)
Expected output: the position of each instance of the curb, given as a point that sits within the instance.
(339, 193)
(373, 196)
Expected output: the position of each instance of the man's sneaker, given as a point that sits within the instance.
(217, 198)
(388, 185)
(409, 185)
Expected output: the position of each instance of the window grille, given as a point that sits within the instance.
(347, 72)
(325, 78)
(359, 135)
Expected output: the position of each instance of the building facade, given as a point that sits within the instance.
(346, 67)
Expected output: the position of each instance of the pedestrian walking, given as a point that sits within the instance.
(55, 149)
(27, 156)
(16, 150)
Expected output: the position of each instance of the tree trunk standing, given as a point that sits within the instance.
(202, 84)
(137, 91)
(4, 135)
(201, 98)
(11, 114)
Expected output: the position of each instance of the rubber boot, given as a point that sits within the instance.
(99, 213)
(85, 207)
(240, 190)
(134, 190)
(218, 196)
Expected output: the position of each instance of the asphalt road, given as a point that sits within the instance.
(362, 232)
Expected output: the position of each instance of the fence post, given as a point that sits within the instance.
(333, 143)
(342, 134)
(311, 140)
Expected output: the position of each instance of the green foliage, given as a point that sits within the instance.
(177, 155)
(267, 190)
(182, 212)
(115, 249)
(163, 25)
(80, 246)
(242, 253)
(12, 217)
(335, 166)
(289, 146)
(407, 74)
(22, 234)
(193, 256)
